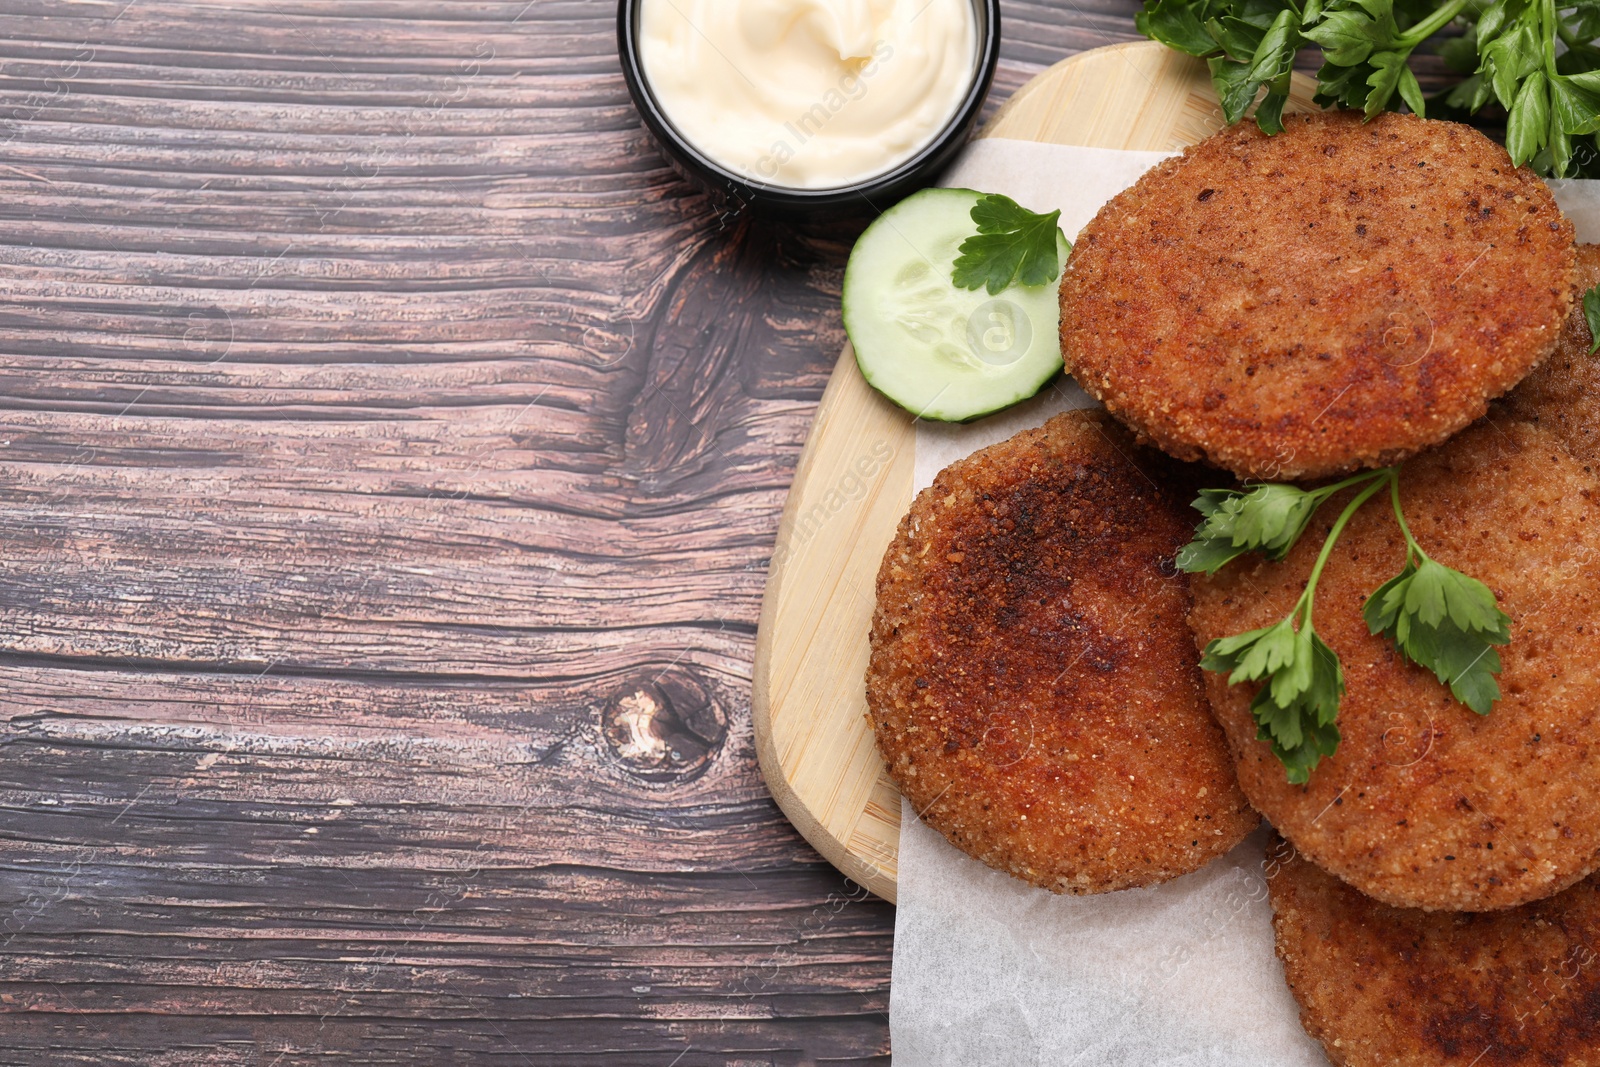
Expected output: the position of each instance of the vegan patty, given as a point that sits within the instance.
(1341, 295)
(1033, 684)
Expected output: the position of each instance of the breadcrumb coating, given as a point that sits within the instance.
(1341, 295)
(1033, 684)
(1563, 394)
(1381, 986)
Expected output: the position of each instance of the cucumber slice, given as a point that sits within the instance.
(940, 352)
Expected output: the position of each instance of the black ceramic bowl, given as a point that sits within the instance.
(874, 194)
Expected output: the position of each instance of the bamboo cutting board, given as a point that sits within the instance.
(854, 484)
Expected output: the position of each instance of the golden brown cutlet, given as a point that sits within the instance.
(1563, 394)
(1382, 986)
(1427, 804)
(1340, 295)
(1033, 684)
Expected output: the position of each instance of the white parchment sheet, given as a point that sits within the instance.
(990, 972)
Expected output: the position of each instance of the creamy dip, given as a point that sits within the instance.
(809, 94)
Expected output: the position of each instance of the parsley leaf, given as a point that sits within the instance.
(1346, 36)
(1591, 315)
(1274, 55)
(1443, 620)
(1012, 244)
(1528, 126)
(1233, 85)
(1269, 116)
(1178, 24)
(1268, 518)
(1299, 700)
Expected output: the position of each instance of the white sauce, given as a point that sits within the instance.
(809, 94)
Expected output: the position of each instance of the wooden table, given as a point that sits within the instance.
(391, 450)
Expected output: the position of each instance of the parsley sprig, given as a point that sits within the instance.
(1012, 244)
(1437, 617)
(1268, 518)
(1537, 62)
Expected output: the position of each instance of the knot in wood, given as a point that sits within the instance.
(666, 729)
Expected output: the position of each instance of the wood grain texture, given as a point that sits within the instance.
(391, 452)
(810, 710)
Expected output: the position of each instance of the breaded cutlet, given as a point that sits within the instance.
(1382, 986)
(1033, 685)
(1340, 295)
(1427, 804)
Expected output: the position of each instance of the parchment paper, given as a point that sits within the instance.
(990, 972)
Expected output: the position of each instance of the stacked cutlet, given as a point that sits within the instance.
(1341, 296)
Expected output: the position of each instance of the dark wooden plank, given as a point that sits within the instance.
(391, 448)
